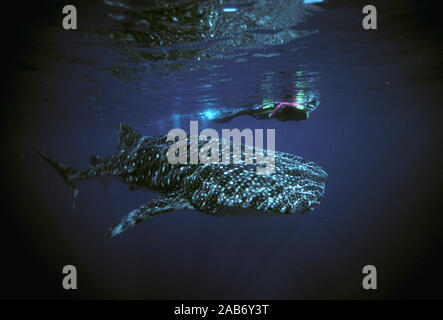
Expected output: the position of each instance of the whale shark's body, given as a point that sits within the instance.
(296, 185)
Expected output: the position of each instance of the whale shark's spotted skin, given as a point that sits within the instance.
(296, 185)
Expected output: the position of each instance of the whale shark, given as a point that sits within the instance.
(296, 185)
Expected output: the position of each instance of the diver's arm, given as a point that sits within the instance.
(282, 105)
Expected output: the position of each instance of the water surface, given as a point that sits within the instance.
(156, 65)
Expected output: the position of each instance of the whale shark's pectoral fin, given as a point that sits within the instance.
(160, 205)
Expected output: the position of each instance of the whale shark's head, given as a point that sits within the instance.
(295, 186)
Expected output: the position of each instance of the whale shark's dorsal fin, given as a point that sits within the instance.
(127, 136)
(95, 160)
(164, 203)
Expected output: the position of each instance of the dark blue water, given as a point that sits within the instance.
(376, 132)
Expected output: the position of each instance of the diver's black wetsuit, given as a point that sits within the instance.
(279, 110)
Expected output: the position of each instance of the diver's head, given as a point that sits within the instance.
(313, 104)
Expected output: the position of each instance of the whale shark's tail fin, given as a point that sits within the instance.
(65, 172)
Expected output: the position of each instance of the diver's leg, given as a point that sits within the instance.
(225, 118)
(261, 115)
(229, 115)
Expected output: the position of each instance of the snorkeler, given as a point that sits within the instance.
(282, 111)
